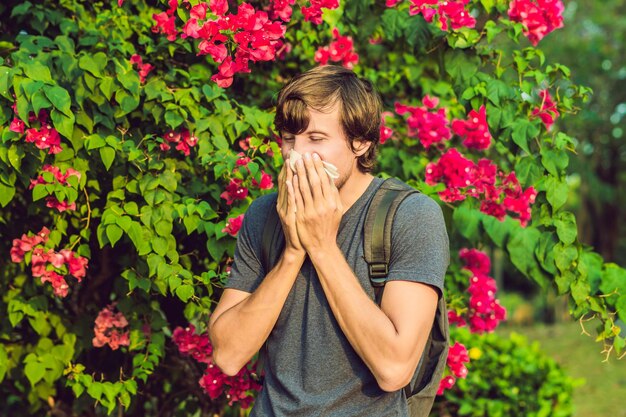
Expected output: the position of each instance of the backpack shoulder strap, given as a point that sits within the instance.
(377, 230)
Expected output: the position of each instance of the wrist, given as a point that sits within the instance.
(294, 256)
(326, 252)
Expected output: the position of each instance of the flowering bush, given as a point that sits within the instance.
(147, 130)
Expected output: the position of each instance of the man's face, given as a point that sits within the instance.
(324, 136)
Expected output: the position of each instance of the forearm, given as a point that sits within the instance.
(239, 332)
(369, 330)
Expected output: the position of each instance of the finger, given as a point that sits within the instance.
(325, 179)
(303, 185)
(313, 176)
(297, 195)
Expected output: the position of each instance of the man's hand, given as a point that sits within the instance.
(286, 207)
(318, 206)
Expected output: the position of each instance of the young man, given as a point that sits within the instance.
(331, 351)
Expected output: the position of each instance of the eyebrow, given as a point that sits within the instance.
(317, 132)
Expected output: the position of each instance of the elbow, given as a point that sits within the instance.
(393, 377)
(221, 358)
(226, 365)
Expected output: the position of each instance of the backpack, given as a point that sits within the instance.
(422, 389)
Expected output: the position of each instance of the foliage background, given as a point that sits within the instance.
(152, 223)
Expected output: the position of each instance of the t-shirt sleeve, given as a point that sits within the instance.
(247, 271)
(420, 247)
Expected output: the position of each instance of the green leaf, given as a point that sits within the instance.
(63, 123)
(555, 162)
(35, 70)
(564, 256)
(4, 361)
(580, 291)
(124, 222)
(94, 141)
(40, 101)
(159, 245)
(6, 194)
(467, 221)
(93, 63)
(108, 155)
(60, 99)
(620, 306)
(523, 131)
(114, 233)
(566, 227)
(521, 247)
(34, 371)
(163, 227)
(556, 192)
(185, 292)
(107, 86)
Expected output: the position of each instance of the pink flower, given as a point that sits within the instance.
(233, 225)
(474, 130)
(266, 181)
(46, 137)
(429, 126)
(59, 286)
(281, 9)
(313, 13)
(475, 261)
(109, 328)
(190, 343)
(322, 55)
(423, 7)
(61, 206)
(539, 17)
(454, 13)
(454, 318)
(234, 191)
(547, 112)
(17, 126)
(77, 264)
(165, 24)
(447, 382)
(218, 7)
(457, 357)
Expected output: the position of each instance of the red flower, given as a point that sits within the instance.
(46, 137)
(454, 318)
(76, 264)
(53, 202)
(423, 7)
(429, 126)
(57, 281)
(218, 7)
(17, 126)
(322, 55)
(233, 226)
(457, 356)
(165, 24)
(27, 243)
(446, 383)
(547, 112)
(539, 17)
(281, 9)
(234, 191)
(455, 13)
(109, 329)
(313, 13)
(199, 11)
(475, 129)
(476, 261)
(266, 181)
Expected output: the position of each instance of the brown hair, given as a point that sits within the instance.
(320, 89)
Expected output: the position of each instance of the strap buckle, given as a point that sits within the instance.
(378, 273)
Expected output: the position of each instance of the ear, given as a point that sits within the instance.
(360, 147)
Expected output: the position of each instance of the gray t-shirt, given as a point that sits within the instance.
(311, 369)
